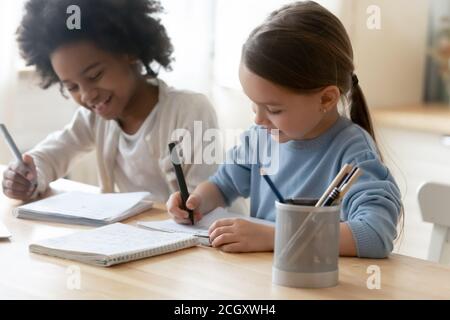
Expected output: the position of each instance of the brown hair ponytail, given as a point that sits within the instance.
(304, 47)
(359, 111)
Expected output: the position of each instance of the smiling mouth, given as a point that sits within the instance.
(102, 104)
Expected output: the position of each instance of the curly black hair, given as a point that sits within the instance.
(118, 26)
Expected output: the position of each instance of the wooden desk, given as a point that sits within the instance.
(195, 273)
(432, 118)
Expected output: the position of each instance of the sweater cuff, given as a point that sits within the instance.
(368, 244)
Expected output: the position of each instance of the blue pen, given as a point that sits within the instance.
(272, 186)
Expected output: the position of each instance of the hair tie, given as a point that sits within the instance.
(355, 80)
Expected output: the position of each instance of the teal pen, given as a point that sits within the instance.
(12, 145)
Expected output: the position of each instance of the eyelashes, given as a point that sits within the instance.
(95, 77)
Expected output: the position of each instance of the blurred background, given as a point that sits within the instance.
(402, 62)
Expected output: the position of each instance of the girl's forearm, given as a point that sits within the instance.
(210, 196)
(347, 245)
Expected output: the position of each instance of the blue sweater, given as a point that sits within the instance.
(306, 168)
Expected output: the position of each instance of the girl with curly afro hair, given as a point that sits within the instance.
(109, 66)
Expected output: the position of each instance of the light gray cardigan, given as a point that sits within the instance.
(55, 155)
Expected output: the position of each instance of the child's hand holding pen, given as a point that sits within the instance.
(20, 179)
(175, 205)
(184, 193)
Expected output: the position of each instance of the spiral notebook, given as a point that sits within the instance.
(113, 244)
(85, 208)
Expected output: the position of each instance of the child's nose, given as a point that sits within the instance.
(89, 96)
(260, 117)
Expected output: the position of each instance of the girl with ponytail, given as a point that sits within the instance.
(296, 67)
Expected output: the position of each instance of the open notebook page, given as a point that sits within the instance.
(88, 205)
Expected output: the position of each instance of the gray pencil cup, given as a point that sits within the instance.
(306, 245)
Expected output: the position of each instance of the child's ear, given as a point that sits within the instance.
(329, 98)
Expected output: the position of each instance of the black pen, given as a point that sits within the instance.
(331, 197)
(334, 194)
(181, 181)
(342, 188)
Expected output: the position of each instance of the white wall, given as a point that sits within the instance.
(390, 62)
(9, 16)
(189, 24)
(32, 114)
